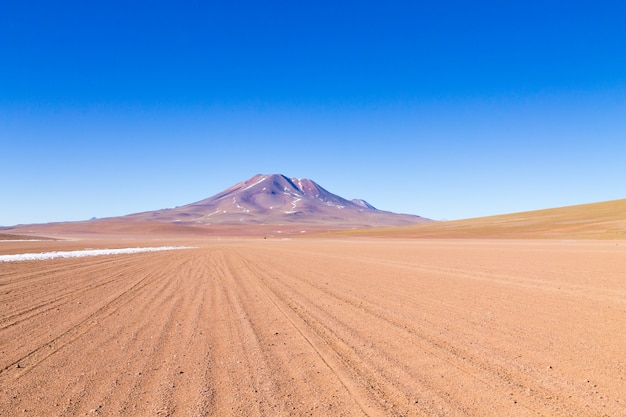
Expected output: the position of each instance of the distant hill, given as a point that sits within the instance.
(605, 220)
(7, 236)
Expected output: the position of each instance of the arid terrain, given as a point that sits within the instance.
(600, 221)
(315, 326)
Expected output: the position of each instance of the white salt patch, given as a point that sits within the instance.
(22, 240)
(82, 253)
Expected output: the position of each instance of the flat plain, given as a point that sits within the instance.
(316, 326)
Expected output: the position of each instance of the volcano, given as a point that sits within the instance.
(277, 199)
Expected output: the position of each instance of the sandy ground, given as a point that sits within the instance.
(596, 221)
(268, 327)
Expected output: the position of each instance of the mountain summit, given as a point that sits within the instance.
(277, 199)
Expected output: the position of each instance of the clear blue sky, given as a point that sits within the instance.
(443, 109)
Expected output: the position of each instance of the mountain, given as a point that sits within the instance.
(277, 199)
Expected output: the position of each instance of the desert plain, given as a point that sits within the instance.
(315, 326)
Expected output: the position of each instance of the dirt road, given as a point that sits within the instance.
(318, 327)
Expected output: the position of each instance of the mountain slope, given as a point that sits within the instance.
(604, 220)
(277, 199)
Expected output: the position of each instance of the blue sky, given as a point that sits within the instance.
(443, 109)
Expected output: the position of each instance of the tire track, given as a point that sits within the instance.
(533, 388)
(330, 356)
(480, 372)
(248, 286)
(39, 354)
(64, 293)
(310, 327)
(365, 378)
(504, 375)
